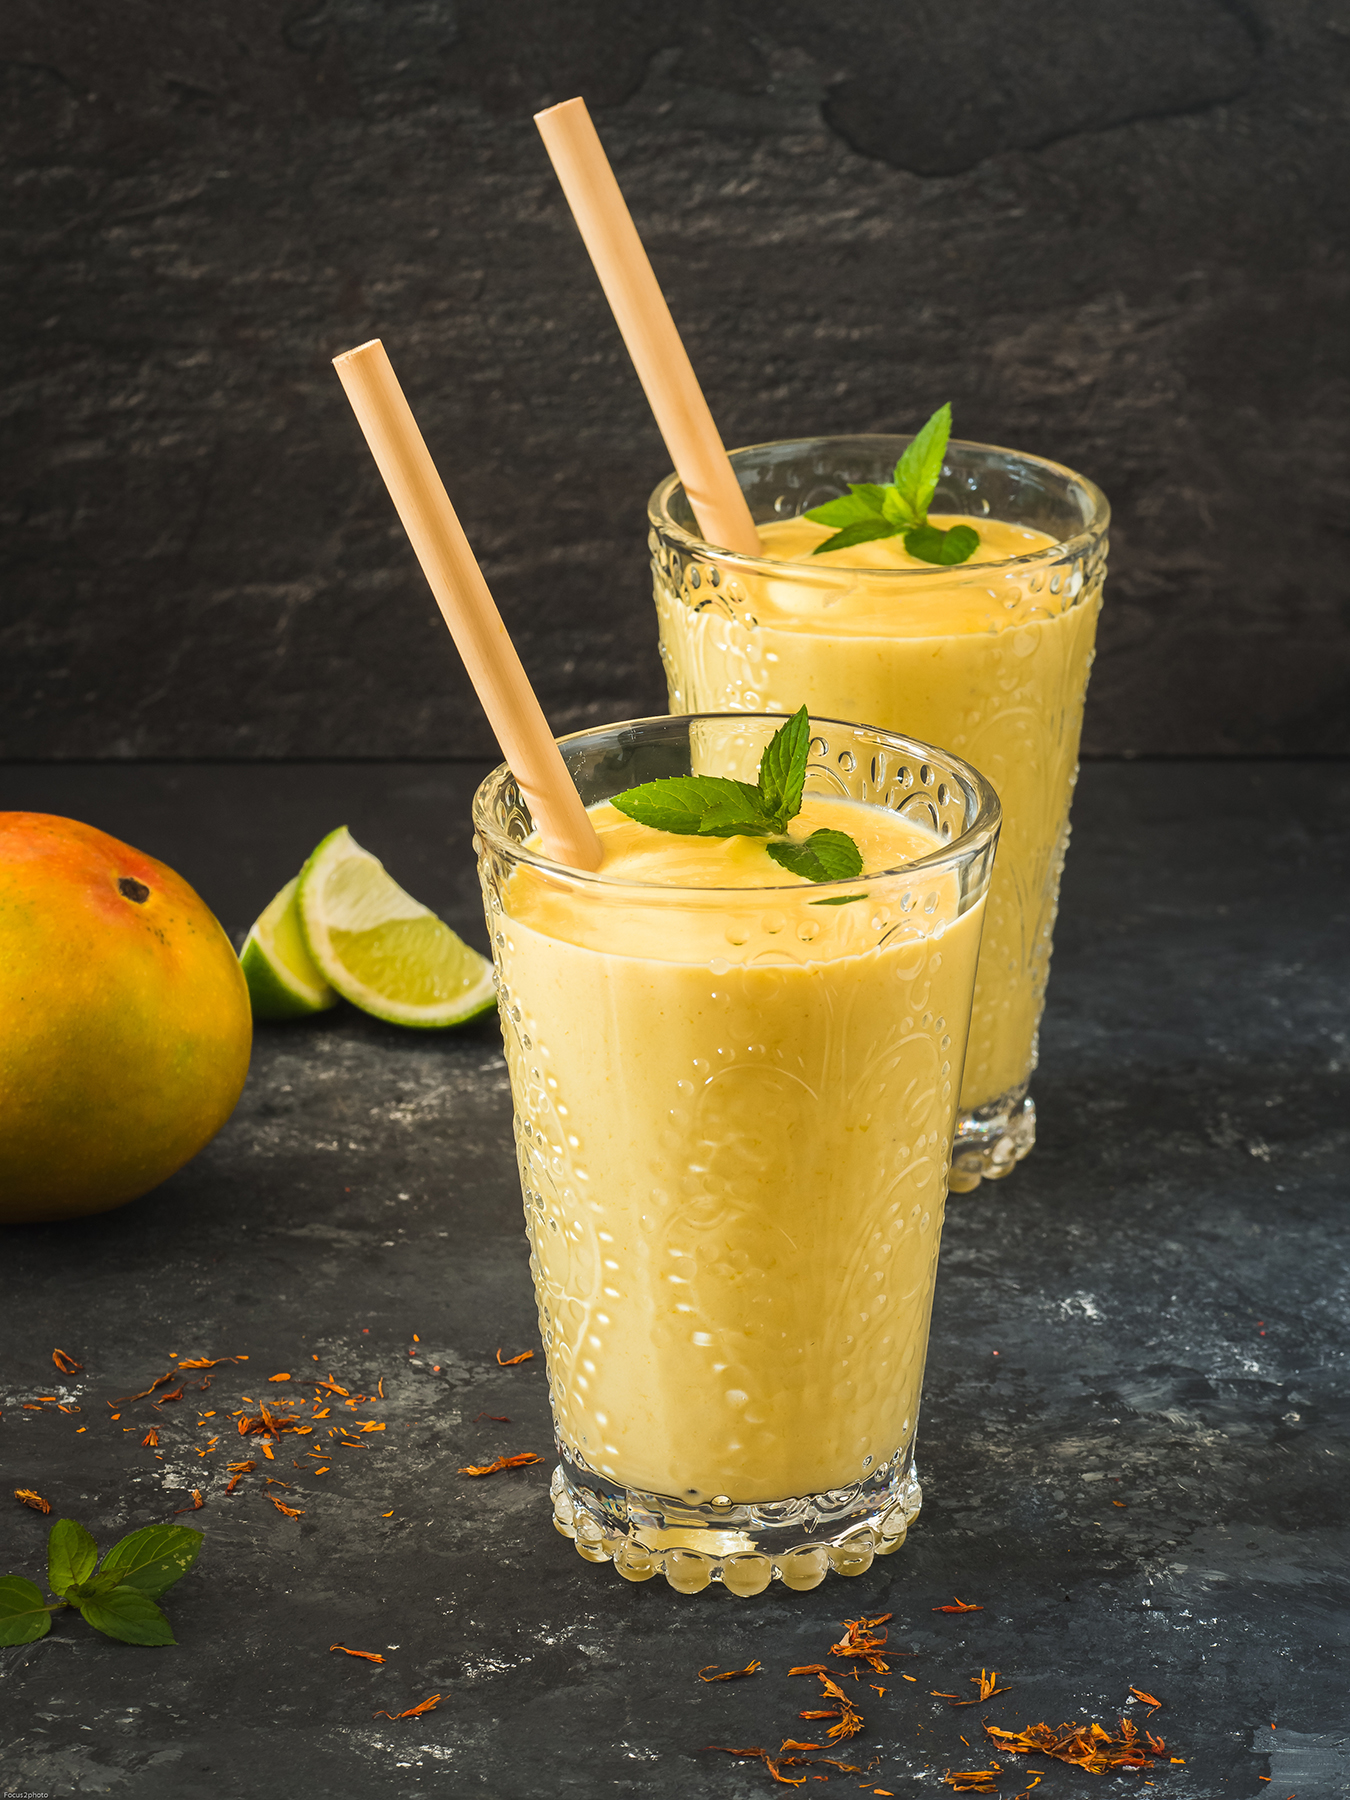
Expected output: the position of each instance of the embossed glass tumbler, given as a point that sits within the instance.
(733, 1111)
(989, 659)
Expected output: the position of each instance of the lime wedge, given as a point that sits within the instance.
(282, 980)
(383, 950)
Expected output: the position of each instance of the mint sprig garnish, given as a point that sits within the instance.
(782, 769)
(869, 511)
(824, 856)
(117, 1599)
(716, 806)
(698, 806)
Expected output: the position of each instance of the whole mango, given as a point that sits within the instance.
(125, 1028)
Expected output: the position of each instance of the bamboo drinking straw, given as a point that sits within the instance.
(644, 320)
(469, 610)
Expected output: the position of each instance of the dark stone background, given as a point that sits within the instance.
(1113, 231)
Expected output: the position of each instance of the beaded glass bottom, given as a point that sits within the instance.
(745, 1547)
(991, 1140)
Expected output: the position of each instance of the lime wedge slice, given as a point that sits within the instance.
(282, 980)
(383, 950)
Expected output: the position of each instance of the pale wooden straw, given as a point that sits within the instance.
(644, 320)
(469, 610)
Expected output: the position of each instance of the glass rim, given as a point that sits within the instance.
(962, 848)
(658, 513)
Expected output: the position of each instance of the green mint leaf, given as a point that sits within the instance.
(24, 1616)
(944, 547)
(863, 501)
(696, 806)
(918, 471)
(838, 900)
(782, 769)
(71, 1556)
(825, 856)
(899, 511)
(91, 1589)
(736, 811)
(128, 1614)
(860, 533)
(150, 1561)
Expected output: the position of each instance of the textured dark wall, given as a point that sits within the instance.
(1112, 231)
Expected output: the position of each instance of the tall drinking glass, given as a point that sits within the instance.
(733, 1111)
(989, 659)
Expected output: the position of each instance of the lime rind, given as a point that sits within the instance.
(383, 950)
(283, 982)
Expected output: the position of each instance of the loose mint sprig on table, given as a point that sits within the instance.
(717, 806)
(869, 511)
(118, 1599)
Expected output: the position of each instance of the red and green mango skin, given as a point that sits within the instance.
(125, 1028)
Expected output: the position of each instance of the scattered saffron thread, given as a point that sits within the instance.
(1088, 1747)
(502, 1462)
(428, 1705)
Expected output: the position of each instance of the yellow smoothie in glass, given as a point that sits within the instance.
(989, 659)
(734, 1120)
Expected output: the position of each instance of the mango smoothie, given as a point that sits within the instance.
(734, 1102)
(990, 659)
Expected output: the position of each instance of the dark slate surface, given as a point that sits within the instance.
(1134, 1435)
(1111, 233)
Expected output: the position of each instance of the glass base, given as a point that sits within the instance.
(992, 1139)
(745, 1547)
